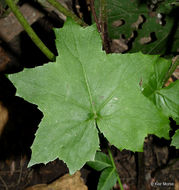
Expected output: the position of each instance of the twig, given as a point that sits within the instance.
(103, 22)
(66, 12)
(94, 15)
(29, 30)
(114, 166)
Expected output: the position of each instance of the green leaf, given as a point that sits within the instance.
(165, 6)
(175, 139)
(85, 87)
(107, 179)
(157, 79)
(101, 162)
(128, 17)
(168, 99)
(177, 121)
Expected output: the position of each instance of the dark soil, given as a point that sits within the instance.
(156, 168)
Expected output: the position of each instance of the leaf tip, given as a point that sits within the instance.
(30, 164)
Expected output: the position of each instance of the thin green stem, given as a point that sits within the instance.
(66, 12)
(114, 166)
(29, 30)
(172, 69)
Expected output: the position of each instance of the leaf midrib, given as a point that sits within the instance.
(85, 78)
(72, 101)
(89, 91)
(108, 177)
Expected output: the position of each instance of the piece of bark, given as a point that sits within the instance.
(10, 26)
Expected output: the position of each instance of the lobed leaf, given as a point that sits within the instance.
(84, 88)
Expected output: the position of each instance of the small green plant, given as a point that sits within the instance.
(109, 174)
(86, 92)
(106, 166)
(121, 94)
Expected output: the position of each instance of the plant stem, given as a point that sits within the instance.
(114, 166)
(101, 23)
(29, 30)
(94, 15)
(66, 12)
(172, 69)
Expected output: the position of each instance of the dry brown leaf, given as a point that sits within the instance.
(176, 185)
(38, 187)
(70, 182)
